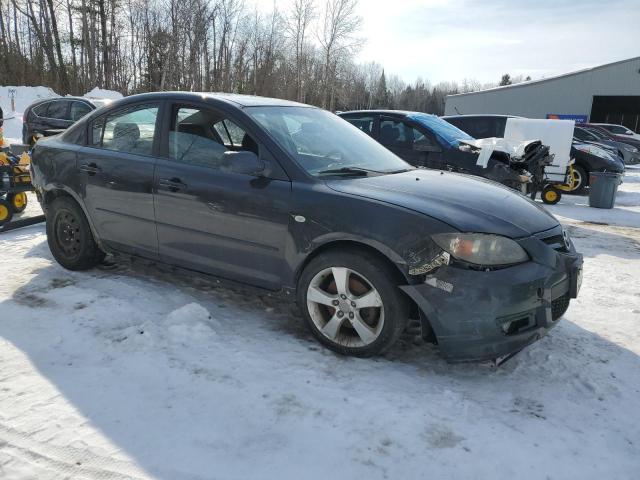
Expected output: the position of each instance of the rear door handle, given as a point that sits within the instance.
(90, 168)
(171, 184)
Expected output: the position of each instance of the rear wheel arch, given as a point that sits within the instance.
(51, 194)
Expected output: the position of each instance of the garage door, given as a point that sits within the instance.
(622, 110)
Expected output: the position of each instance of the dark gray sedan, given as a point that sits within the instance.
(291, 198)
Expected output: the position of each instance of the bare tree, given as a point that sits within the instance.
(337, 40)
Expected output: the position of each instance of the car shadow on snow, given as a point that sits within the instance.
(234, 394)
(594, 239)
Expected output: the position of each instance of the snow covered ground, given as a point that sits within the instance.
(135, 372)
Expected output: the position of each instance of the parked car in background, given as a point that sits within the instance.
(291, 198)
(51, 116)
(588, 158)
(629, 154)
(630, 141)
(480, 126)
(618, 130)
(428, 141)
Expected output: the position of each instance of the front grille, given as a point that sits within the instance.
(556, 242)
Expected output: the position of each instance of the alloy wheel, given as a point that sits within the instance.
(345, 307)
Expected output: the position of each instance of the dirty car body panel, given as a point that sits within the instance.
(262, 228)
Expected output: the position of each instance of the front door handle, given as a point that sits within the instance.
(171, 184)
(89, 168)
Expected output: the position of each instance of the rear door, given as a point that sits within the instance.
(209, 218)
(117, 177)
(57, 118)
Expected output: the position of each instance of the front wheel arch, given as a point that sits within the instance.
(341, 245)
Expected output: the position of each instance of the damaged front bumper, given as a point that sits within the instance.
(483, 315)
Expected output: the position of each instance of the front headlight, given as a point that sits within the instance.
(481, 249)
(630, 148)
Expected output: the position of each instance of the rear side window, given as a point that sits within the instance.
(364, 123)
(131, 130)
(58, 110)
(79, 110)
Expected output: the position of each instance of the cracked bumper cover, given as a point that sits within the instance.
(467, 308)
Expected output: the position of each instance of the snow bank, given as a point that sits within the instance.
(105, 94)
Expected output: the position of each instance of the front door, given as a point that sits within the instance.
(117, 175)
(209, 218)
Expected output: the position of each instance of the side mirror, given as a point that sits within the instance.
(244, 162)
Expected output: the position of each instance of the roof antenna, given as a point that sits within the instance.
(457, 111)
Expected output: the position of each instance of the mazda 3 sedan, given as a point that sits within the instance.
(292, 198)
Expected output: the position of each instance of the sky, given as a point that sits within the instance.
(442, 40)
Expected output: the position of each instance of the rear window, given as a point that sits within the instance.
(41, 110)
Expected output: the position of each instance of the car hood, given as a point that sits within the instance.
(467, 203)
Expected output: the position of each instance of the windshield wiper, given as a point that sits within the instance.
(363, 172)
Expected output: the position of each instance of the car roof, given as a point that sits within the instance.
(235, 99)
(481, 115)
(51, 99)
(380, 111)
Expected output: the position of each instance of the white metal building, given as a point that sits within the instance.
(608, 93)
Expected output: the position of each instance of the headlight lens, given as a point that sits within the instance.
(481, 249)
(630, 148)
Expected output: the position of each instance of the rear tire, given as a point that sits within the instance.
(581, 178)
(69, 236)
(18, 201)
(351, 302)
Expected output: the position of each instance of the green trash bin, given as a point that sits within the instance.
(603, 187)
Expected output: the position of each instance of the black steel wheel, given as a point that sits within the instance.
(69, 236)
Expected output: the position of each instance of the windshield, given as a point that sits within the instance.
(323, 143)
(447, 134)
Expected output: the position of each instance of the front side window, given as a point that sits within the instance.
(131, 130)
(200, 136)
(320, 141)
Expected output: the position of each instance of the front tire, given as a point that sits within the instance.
(550, 195)
(69, 236)
(351, 302)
